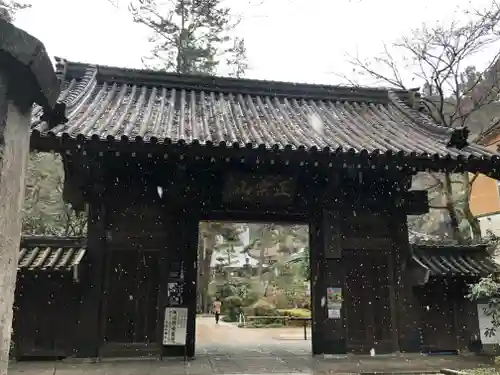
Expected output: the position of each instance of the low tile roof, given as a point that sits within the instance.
(50, 253)
(454, 260)
(121, 105)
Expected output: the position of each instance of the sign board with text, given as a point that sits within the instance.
(175, 326)
(261, 189)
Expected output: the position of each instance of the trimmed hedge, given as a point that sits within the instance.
(295, 313)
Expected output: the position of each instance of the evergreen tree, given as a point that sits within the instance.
(8, 9)
(191, 36)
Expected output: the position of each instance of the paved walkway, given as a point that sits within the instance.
(227, 349)
(227, 340)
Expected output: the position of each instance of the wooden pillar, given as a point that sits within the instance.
(15, 120)
(318, 287)
(392, 260)
(406, 304)
(326, 272)
(171, 274)
(190, 248)
(178, 266)
(334, 340)
(89, 336)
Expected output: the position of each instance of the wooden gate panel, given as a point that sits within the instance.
(131, 297)
(44, 316)
(437, 319)
(367, 302)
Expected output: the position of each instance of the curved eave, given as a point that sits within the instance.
(142, 116)
(326, 157)
(455, 263)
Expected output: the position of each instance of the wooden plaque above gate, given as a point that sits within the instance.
(259, 189)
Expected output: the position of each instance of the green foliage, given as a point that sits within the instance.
(487, 289)
(261, 308)
(262, 324)
(231, 307)
(45, 212)
(191, 36)
(226, 290)
(281, 282)
(297, 313)
(484, 371)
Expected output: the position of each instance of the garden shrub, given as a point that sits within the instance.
(262, 308)
(255, 324)
(231, 308)
(296, 313)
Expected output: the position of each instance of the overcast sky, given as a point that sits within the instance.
(291, 40)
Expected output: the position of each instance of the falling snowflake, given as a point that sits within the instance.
(316, 123)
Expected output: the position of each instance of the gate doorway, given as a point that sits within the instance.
(130, 307)
(255, 278)
(368, 301)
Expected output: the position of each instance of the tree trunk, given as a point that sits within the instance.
(471, 219)
(15, 120)
(209, 244)
(450, 206)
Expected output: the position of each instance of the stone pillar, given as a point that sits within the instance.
(26, 77)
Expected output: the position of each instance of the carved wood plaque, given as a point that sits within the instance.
(255, 188)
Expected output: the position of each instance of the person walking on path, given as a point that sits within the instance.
(217, 306)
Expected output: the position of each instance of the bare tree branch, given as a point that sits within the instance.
(454, 93)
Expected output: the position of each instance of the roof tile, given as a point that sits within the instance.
(471, 261)
(50, 254)
(109, 103)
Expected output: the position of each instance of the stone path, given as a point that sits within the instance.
(226, 349)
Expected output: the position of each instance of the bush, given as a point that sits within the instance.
(251, 297)
(226, 290)
(231, 308)
(261, 308)
(484, 371)
(296, 313)
(260, 324)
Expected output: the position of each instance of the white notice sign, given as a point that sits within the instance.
(484, 325)
(174, 326)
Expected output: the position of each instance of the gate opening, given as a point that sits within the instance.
(253, 289)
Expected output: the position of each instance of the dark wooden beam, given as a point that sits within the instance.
(89, 335)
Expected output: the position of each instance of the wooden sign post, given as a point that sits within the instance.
(26, 77)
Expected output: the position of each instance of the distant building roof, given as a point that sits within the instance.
(238, 259)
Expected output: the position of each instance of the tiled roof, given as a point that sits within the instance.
(50, 253)
(454, 260)
(112, 104)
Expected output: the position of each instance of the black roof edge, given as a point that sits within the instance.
(52, 241)
(439, 249)
(75, 70)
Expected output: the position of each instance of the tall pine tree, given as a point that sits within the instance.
(191, 36)
(9, 8)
